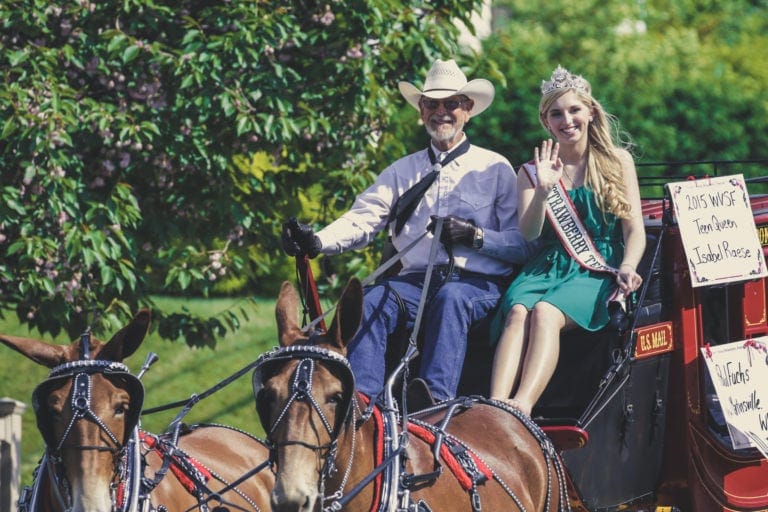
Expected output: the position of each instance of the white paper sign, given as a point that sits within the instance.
(739, 372)
(718, 230)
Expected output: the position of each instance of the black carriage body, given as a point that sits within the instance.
(622, 406)
(656, 436)
(618, 399)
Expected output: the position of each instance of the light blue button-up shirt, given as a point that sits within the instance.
(480, 185)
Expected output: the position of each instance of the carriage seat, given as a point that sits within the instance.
(578, 347)
(585, 357)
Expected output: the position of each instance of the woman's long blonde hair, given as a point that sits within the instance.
(604, 173)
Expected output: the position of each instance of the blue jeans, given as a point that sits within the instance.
(454, 303)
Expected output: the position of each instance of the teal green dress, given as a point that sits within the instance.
(551, 275)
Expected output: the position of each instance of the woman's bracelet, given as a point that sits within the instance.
(628, 265)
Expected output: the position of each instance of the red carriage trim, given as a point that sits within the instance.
(178, 461)
(566, 437)
(450, 459)
(378, 447)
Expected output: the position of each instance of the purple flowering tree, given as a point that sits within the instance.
(156, 147)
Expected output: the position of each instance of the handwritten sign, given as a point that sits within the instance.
(718, 230)
(739, 372)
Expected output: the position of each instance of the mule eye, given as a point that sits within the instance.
(267, 396)
(336, 399)
(54, 407)
(265, 400)
(121, 409)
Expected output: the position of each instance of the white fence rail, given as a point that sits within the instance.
(10, 452)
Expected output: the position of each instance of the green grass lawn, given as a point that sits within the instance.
(179, 373)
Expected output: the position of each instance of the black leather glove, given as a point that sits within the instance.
(299, 239)
(455, 230)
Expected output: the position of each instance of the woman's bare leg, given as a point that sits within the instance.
(505, 373)
(546, 322)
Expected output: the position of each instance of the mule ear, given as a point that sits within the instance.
(41, 352)
(287, 315)
(126, 340)
(349, 314)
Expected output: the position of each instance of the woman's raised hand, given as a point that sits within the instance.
(549, 167)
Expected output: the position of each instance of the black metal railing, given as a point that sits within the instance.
(653, 176)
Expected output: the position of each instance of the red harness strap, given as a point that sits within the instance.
(120, 497)
(378, 447)
(178, 463)
(455, 466)
(428, 437)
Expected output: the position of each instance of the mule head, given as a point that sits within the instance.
(86, 409)
(304, 394)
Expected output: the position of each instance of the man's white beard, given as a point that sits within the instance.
(443, 135)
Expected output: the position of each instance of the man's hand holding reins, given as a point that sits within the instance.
(455, 230)
(299, 239)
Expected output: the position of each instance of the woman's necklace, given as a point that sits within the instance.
(573, 178)
(576, 165)
(565, 171)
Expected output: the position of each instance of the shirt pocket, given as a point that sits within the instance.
(477, 194)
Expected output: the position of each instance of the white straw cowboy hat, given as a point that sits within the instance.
(445, 79)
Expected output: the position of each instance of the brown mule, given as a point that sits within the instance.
(97, 460)
(328, 444)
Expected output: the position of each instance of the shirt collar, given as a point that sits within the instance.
(439, 152)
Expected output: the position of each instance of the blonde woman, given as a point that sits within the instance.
(580, 197)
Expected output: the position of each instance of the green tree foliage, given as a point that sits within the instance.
(686, 78)
(156, 146)
(152, 146)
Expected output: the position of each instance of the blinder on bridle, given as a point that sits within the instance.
(271, 362)
(80, 372)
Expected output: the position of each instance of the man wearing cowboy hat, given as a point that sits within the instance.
(474, 190)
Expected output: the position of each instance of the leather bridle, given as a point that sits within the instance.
(81, 372)
(301, 391)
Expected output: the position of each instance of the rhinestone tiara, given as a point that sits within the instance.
(564, 79)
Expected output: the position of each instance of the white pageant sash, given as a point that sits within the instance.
(571, 231)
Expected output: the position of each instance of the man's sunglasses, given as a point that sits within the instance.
(432, 104)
